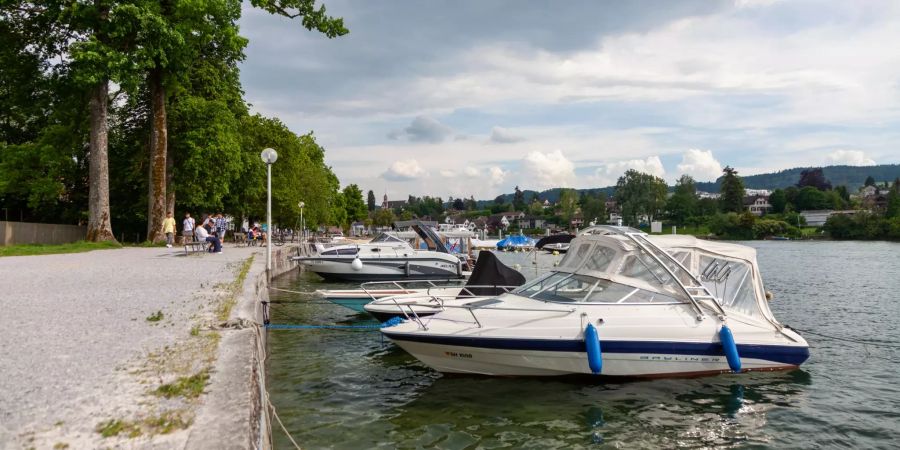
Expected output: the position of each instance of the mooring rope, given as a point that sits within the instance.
(283, 428)
(290, 326)
(290, 291)
(846, 339)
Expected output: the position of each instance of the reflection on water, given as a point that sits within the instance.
(351, 389)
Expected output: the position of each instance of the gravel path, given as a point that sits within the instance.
(75, 342)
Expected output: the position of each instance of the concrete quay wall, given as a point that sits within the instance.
(235, 414)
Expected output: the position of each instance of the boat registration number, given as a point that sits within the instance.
(458, 355)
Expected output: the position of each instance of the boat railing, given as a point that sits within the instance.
(371, 287)
(414, 316)
(466, 291)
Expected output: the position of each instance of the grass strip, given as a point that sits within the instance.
(51, 249)
(234, 289)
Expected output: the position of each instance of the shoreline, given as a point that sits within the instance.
(125, 348)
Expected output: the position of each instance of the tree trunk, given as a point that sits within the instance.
(156, 201)
(170, 187)
(99, 226)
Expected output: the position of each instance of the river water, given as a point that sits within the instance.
(352, 389)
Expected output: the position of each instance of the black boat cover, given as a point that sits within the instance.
(489, 271)
(554, 239)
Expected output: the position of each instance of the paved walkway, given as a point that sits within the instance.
(77, 348)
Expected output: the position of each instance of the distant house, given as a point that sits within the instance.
(495, 221)
(531, 222)
(712, 195)
(758, 205)
(868, 191)
(358, 229)
(393, 204)
(577, 221)
(817, 218)
(612, 206)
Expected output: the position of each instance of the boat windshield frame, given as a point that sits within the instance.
(628, 295)
(386, 237)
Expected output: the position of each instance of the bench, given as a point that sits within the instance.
(195, 247)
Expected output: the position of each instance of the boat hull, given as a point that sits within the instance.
(549, 357)
(341, 269)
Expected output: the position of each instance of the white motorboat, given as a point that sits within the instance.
(556, 243)
(355, 299)
(617, 305)
(387, 257)
(489, 278)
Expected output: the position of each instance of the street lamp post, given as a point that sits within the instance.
(269, 156)
(302, 224)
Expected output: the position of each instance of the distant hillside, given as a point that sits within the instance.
(851, 176)
(552, 195)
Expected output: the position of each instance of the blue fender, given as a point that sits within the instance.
(592, 343)
(730, 348)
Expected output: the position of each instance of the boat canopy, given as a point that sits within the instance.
(729, 271)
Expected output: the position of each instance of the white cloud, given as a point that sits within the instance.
(548, 170)
(609, 174)
(447, 173)
(502, 135)
(850, 158)
(700, 164)
(497, 175)
(471, 172)
(423, 129)
(405, 170)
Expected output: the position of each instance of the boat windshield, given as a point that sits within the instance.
(384, 237)
(567, 287)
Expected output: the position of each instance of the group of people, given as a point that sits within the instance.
(212, 230)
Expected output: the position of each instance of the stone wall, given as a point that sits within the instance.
(234, 414)
(12, 233)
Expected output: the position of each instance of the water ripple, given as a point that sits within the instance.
(350, 389)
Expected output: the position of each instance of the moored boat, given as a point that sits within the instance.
(489, 278)
(387, 257)
(619, 304)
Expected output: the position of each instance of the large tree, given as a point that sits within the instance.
(593, 207)
(370, 201)
(353, 203)
(814, 177)
(176, 36)
(732, 191)
(682, 205)
(640, 195)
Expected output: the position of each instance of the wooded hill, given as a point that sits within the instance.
(851, 176)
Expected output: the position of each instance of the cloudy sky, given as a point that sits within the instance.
(460, 98)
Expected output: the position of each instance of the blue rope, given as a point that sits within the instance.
(390, 323)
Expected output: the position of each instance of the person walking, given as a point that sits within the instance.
(188, 227)
(169, 229)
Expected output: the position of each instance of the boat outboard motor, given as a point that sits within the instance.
(489, 271)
